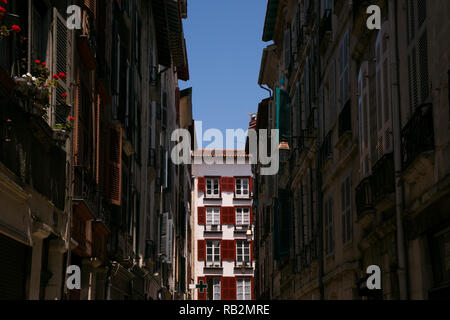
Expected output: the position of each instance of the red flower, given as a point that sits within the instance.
(71, 118)
(64, 95)
(4, 1)
(37, 62)
(2, 10)
(62, 75)
(55, 76)
(44, 64)
(16, 28)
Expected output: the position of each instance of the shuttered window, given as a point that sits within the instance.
(283, 114)
(384, 111)
(418, 76)
(201, 250)
(115, 165)
(244, 288)
(212, 218)
(212, 188)
(228, 290)
(242, 252)
(201, 184)
(228, 250)
(227, 184)
(242, 188)
(363, 119)
(61, 64)
(243, 216)
(227, 215)
(213, 253)
(201, 211)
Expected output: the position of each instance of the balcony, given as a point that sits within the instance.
(345, 120)
(365, 209)
(418, 138)
(383, 179)
(85, 190)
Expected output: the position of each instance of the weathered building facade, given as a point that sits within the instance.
(363, 118)
(86, 157)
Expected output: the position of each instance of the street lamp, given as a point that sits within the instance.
(285, 149)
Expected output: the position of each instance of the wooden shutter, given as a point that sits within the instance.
(61, 63)
(115, 165)
(202, 296)
(201, 184)
(169, 240)
(228, 250)
(250, 181)
(227, 215)
(250, 209)
(201, 248)
(228, 288)
(227, 184)
(201, 211)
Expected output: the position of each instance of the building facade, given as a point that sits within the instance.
(85, 140)
(222, 228)
(363, 118)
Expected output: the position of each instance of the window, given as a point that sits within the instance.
(242, 252)
(212, 188)
(212, 253)
(242, 188)
(244, 289)
(242, 216)
(344, 73)
(213, 288)
(212, 218)
(347, 227)
(329, 227)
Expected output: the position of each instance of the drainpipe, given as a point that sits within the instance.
(396, 127)
(267, 89)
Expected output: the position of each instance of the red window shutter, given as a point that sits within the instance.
(201, 247)
(227, 252)
(201, 184)
(228, 288)
(115, 166)
(233, 289)
(201, 215)
(202, 296)
(250, 186)
(227, 184)
(227, 215)
(250, 209)
(234, 249)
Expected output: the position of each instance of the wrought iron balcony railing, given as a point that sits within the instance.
(418, 134)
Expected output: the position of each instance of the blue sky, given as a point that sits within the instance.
(224, 47)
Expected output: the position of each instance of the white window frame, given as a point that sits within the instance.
(244, 257)
(212, 218)
(213, 258)
(240, 192)
(211, 190)
(244, 289)
(216, 289)
(242, 216)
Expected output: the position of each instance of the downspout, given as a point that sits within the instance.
(267, 89)
(396, 127)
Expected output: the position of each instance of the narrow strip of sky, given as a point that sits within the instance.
(224, 50)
